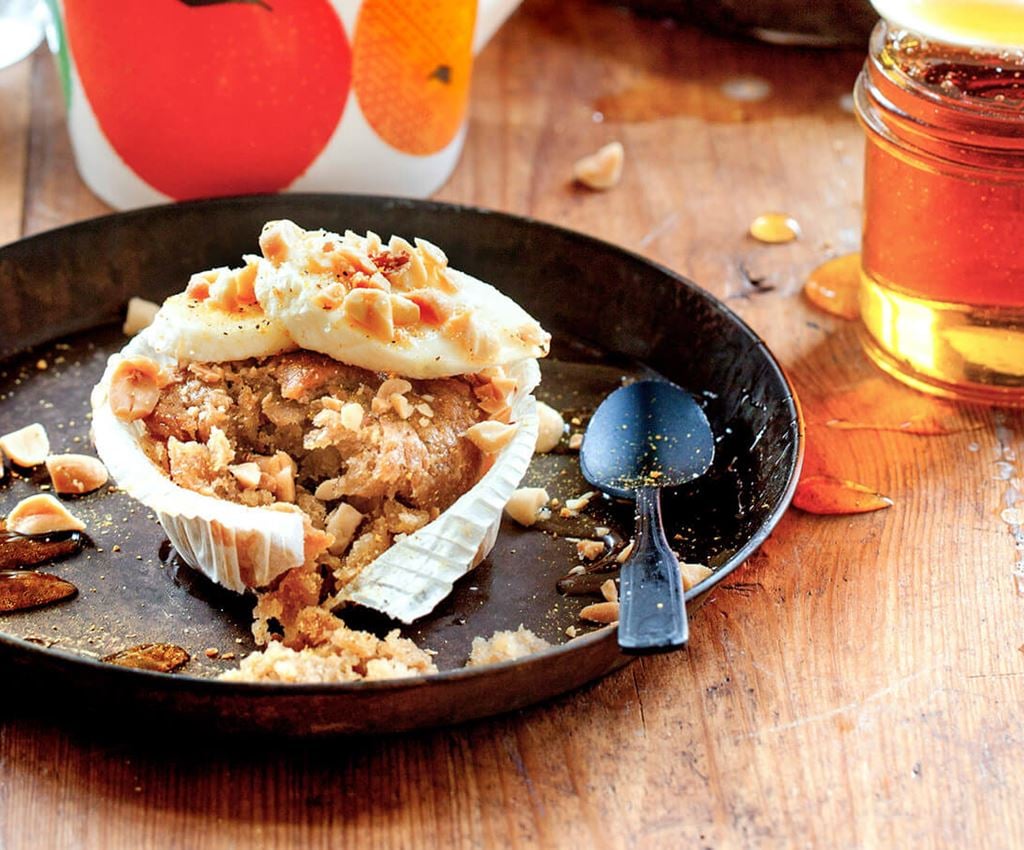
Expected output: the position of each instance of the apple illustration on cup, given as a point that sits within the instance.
(178, 99)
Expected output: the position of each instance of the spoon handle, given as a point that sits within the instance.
(652, 614)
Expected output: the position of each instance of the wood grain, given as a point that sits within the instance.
(858, 684)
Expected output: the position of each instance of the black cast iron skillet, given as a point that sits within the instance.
(613, 315)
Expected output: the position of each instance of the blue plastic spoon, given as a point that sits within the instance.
(643, 437)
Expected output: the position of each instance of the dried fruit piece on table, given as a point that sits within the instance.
(27, 446)
(161, 657)
(76, 474)
(823, 494)
(601, 169)
(42, 514)
(21, 590)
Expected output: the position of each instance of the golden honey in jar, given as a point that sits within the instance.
(942, 258)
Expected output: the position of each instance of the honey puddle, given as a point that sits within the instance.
(21, 590)
(834, 286)
(823, 494)
(874, 404)
(158, 657)
(18, 551)
(774, 228)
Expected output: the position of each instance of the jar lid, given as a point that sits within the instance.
(974, 23)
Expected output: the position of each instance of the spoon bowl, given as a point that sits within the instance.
(643, 437)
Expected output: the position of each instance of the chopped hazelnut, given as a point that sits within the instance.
(352, 415)
(401, 405)
(426, 410)
(580, 502)
(42, 514)
(490, 436)
(476, 341)
(575, 442)
(627, 550)
(342, 523)
(610, 591)
(27, 446)
(139, 316)
(693, 574)
(435, 308)
(246, 474)
(331, 489)
(405, 312)
(525, 503)
(392, 386)
(371, 309)
(601, 169)
(221, 452)
(76, 474)
(280, 470)
(590, 550)
(550, 428)
(135, 388)
(601, 612)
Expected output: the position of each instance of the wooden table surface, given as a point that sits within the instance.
(859, 683)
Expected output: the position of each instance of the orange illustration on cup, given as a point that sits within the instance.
(412, 61)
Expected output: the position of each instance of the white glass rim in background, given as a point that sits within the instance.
(21, 29)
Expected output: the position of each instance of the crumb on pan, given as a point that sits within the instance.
(574, 506)
(347, 655)
(590, 550)
(505, 646)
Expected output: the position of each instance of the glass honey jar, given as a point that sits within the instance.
(942, 259)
